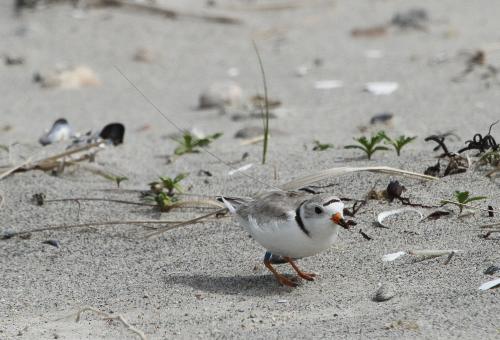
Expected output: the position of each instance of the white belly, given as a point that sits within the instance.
(287, 239)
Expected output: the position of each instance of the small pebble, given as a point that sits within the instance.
(492, 270)
(384, 293)
(53, 243)
(226, 93)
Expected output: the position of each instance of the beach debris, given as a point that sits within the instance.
(395, 190)
(7, 234)
(191, 144)
(369, 147)
(408, 325)
(381, 88)
(328, 84)
(492, 270)
(354, 209)
(369, 32)
(382, 118)
(385, 214)
(144, 55)
(306, 180)
(491, 212)
(448, 259)
(38, 198)
(12, 60)
(365, 236)
(113, 132)
(436, 215)
(477, 60)
(490, 284)
(52, 242)
(259, 101)
(414, 18)
(249, 132)
(204, 173)
(433, 170)
(384, 293)
(240, 169)
(393, 256)
(68, 78)
(220, 94)
(480, 143)
(107, 316)
(318, 146)
(60, 131)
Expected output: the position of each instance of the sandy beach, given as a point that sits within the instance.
(207, 280)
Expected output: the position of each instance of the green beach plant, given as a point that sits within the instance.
(191, 144)
(369, 146)
(318, 146)
(398, 143)
(462, 198)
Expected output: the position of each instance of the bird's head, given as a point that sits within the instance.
(324, 209)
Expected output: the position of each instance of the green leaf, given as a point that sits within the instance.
(476, 198)
(354, 147)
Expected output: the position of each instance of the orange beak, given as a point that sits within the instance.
(337, 219)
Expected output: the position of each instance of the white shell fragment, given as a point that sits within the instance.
(70, 78)
(240, 169)
(393, 256)
(381, 88)
(490, 284)
(59, 131)
(328, 84)
(383, 215)
(219, 94)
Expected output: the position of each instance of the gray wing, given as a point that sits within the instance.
(272, 206)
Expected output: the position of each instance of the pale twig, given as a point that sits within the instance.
(14, 169)
(194, 220)
(107, 316)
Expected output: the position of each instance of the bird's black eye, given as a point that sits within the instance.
(318, 210)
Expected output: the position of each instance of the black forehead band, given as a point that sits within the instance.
(331, 201)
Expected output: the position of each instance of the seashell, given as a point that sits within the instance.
(226, 93)
(383, 215)
(328, 84)
(60, 131)
(393, 256)
(490, 284)
(381, 88)
(384, 293)
(382, 118)
(53, 243)
(113, 132)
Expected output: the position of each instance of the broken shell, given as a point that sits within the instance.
(227, 93)
(490, 284)
(71, 78)
(385, 214)
(240, 169)
(393, 256)
(113, 132)
(53, 243)
(384, 293)
(60, 131)
(328, 84)
(381, 88)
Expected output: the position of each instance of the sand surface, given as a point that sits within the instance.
(207, 280)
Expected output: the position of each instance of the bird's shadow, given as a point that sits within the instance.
(251, 285)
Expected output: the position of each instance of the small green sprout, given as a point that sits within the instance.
(399, 143)
(164, 201)
(191, 144)
(318, 146)
(491, 157)
(168, 183)
(369, 146)
(462, 198)
(116, 178)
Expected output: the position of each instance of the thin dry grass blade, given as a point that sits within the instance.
(14, 169)
(333, 172)
(184, 223)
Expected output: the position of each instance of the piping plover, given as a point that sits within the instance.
(290, 226)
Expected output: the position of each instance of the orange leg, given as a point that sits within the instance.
(305, 276)
(281, 279)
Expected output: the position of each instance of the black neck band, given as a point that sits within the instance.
(299, 220)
